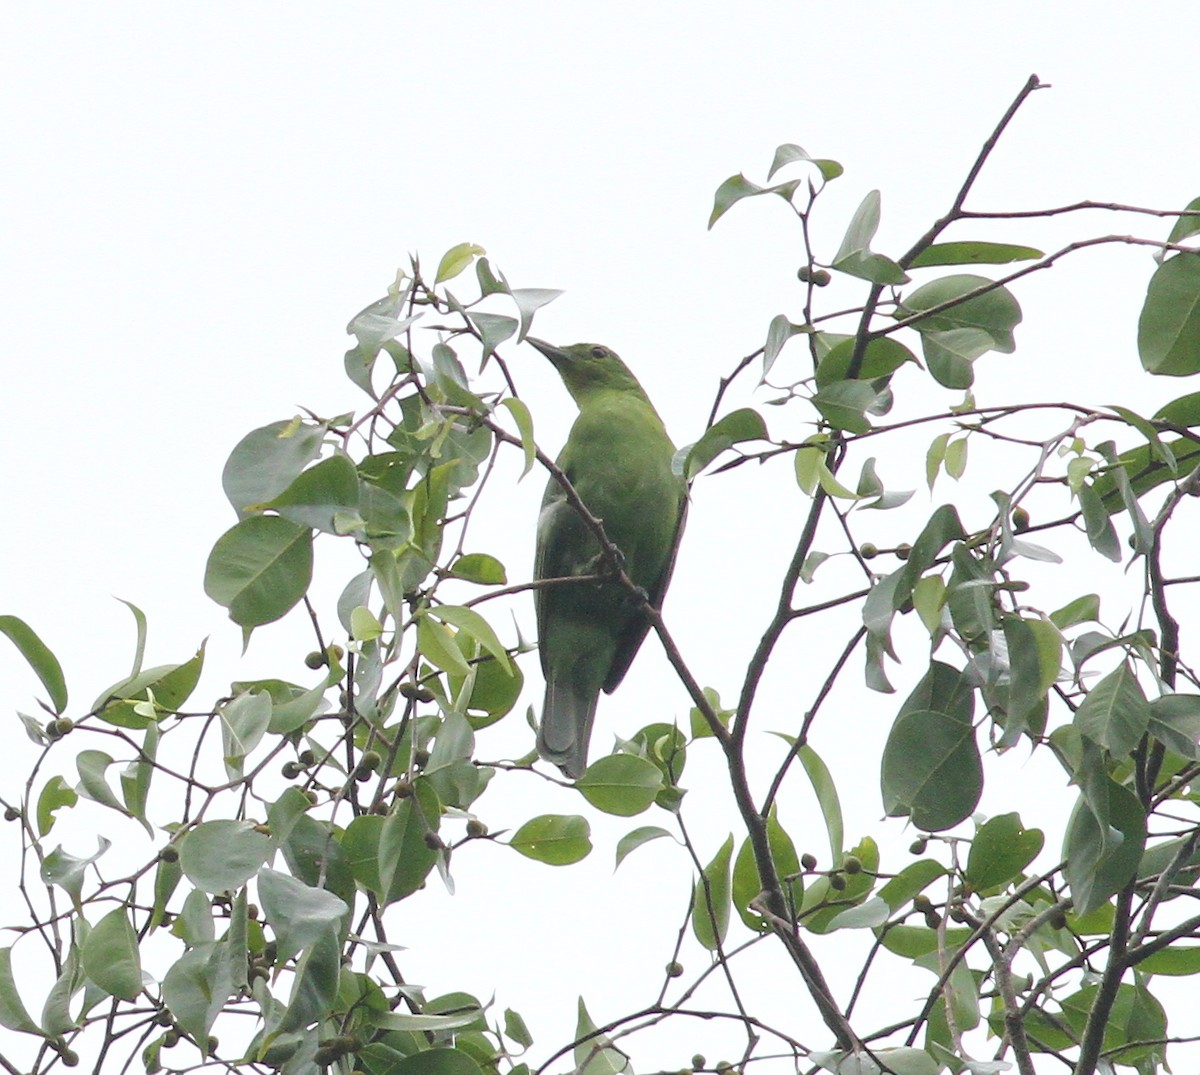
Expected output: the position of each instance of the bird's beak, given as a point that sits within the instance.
(557, 355)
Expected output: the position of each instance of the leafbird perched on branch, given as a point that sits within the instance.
(618, 459)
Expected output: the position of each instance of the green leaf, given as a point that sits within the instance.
(1085, 609)
(1169, 326)
(827, 797)
(437, 646)
(1184, 411)
(315, 985)
(475, 626)
(516, 1030)
(747, 883)
(1186, 226)
(93, 766)
(111, 958)
(823, 905)
(620, 784)
(1101, 861)
(854, 256)
(908, 882)
(931, 770)
(595, 1053)
(995, 312)
(67, 871)
(456, 259)
(779, 331)
(713, 898)
(555, 839)
(55, 795)
(493, 329)
(520, 412)
(973, 253)
(698, 725)
(734, 189)
(197, 985)
(1175, 722)
(221, 856)
(44, 664)
(299, 915)
(789, 152)
(245, 719)
(631, 841)
(259, 569)
(843, 405)
(1181, 960)
(404, 854)
(1099, 528)
(735, 428)
(12, 1011)
(881, 358)
(1002, 848)
(529, 300)
(320, 493)
(1115, 714)
(266, 461)
(124, 703)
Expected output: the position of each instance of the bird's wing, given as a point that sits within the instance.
(631, 637)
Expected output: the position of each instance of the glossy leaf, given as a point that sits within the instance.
(555, 839)
(620, 784)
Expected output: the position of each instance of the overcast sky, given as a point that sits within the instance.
(196, 200)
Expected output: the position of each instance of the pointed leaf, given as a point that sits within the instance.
(555, 839)
(44, 664)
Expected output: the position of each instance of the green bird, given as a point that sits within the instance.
(618, 459)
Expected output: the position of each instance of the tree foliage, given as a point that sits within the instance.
(288, 820)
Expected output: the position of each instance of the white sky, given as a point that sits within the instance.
(198, 199)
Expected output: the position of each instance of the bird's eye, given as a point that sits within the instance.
(599, 352)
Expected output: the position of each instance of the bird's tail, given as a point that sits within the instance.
(567, 724)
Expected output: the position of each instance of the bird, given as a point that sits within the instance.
(617, 457)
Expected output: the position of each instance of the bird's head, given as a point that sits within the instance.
(588, 367)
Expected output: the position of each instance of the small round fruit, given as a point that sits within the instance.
(674, 969)
(903, 550)
(476, 828)
(837, 882)
(808, 861)
(315, 660)
(868, 550)
(170, 853)
(11, 813)
(853, 864)
(821, 277)
(1020, 519)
